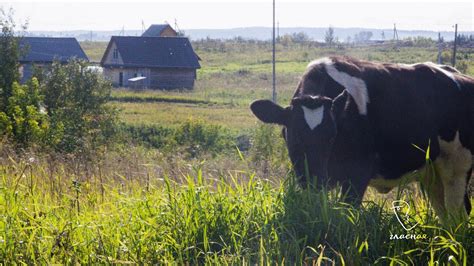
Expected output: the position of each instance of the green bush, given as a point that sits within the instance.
(66, 110)
(268, 147)
(24, 120)
(155, 136)
(199, 136)
(195, 137)
(9, 54)
(76, 99)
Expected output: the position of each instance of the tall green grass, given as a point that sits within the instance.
(65, 216)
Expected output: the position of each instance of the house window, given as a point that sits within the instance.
(115, 54)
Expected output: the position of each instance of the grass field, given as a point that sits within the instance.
(234, 74)
(58, 212)
(140, 205)
(159, 113)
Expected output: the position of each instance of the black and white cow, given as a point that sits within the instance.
(360, 123)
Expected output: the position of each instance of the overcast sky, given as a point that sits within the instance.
(211, 14)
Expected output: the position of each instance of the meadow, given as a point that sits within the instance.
(180, 188)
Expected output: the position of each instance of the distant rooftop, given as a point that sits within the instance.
(155, 30)
(47, 49)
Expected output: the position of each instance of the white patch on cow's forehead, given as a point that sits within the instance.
(355, 86)
(313, 117)
(323, 61)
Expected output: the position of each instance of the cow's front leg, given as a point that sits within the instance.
(354, 177)
(354, 191)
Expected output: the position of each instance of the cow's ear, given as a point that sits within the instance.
(269, 112)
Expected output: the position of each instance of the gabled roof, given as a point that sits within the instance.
(46, 49)
(167, 52)
(155, 30)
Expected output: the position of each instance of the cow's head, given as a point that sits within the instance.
(309, 131)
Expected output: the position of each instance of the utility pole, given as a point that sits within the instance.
(274, 95)
(455, 43)
(439, 48)
(278, 31)
(395, 33)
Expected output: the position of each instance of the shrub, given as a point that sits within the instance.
(76, 99)
(195, 137)
(462, 66)
(9, 54)
(268, 148)
(24, 120)
(199, 137)
(149, 135)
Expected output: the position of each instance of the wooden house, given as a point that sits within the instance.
(40, 52)
(160, 30)
(164, 62)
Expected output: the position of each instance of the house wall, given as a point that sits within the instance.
(113, 74)
(156, 78)
(109, 59)
(168, 32)
(27, 70)
(168, 78)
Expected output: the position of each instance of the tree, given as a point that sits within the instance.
(363, 37)
(329, 37)
(24, 119)
(66, 110)
(20, 105)
(76, 100)
(9, 56)
(300, 37)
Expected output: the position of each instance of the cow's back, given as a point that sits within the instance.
(416, 106)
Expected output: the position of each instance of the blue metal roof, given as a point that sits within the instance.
(168, 52)
(46, 49)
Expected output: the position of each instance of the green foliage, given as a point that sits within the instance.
(24, 120)
(9, 54)
(198, 136)
(235, 219)
(68, 110)
(462, 66)
(329, 37)
(76, 98)
(194, 137)
(155, 136)
(268, 150)
(267, 142)
(419, 41)
(446, 57)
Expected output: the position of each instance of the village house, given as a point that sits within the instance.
(40, 52)
(160, 30)
(150, 62)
